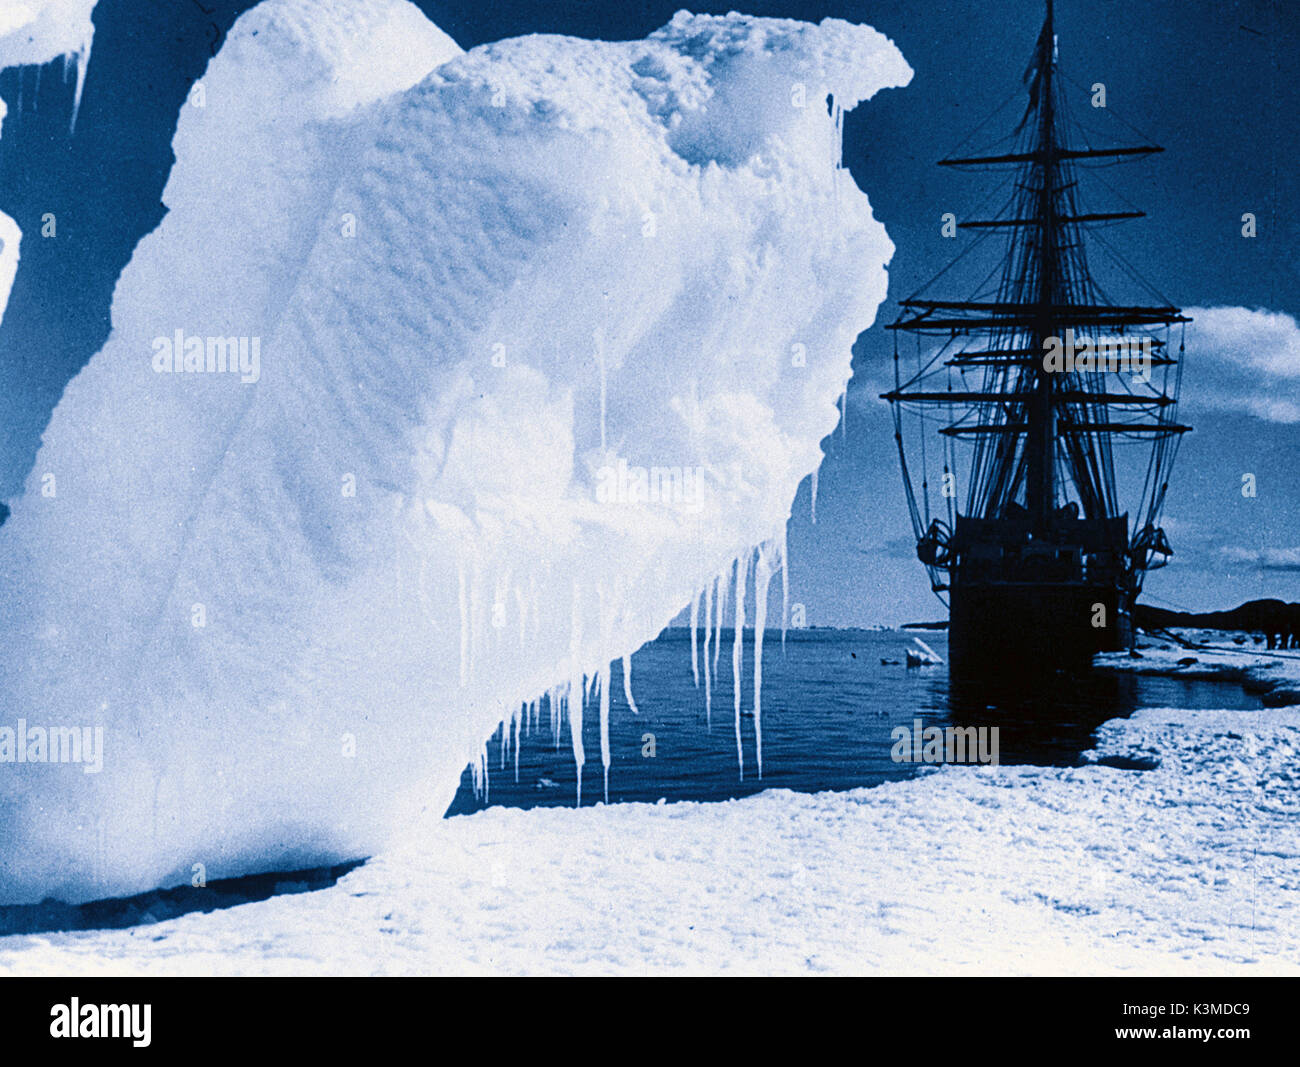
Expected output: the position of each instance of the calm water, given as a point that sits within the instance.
(829, 704)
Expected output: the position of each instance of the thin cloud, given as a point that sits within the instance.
(1266, 559)
(1244, 361)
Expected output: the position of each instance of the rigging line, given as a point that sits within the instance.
(980, 292)
(1115, 192)
(984, 122)
(978, 242)
(1131, 270)
(985, 236)
(950, 466)
(1171, 603)
(930, 365)
(1148, 482)
(1158, 498)
(1112, 114)
(1089, 135)
(925, 466)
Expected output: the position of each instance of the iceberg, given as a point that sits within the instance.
(299, 600)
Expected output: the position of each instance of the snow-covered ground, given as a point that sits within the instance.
(1193, 867)
(1274, 675)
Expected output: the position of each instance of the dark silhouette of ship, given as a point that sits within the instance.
(1040, 385)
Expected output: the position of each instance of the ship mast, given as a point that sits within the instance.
(1041, 438)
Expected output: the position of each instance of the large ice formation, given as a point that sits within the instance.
(547, 334)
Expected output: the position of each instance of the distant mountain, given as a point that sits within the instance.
(1261, 615)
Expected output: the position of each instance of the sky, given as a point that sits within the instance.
(1215, 83)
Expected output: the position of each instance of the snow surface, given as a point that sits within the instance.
(1209, 654)
(300, 599)
(1190, 868)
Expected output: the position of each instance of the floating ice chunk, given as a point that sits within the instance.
(243, 575)
(923, 655)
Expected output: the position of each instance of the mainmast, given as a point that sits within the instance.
(1041, 435)
(1041, 438)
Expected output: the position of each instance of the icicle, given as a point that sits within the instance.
(605, 677)
(82, 59)
(577, 687)
(602, 682)
(738, 651)
(627, 684)
(708, 633)
(519, 740)
(575, 705)
(720, 605)
(695, 652)
(785, 583)
(762, 576)
(839, 136)
(487, 781)
(814, 497)
(478, 772)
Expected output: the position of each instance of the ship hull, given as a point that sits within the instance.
(1025, 628)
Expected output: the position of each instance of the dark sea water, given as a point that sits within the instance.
(829, 705)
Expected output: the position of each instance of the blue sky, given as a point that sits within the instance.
(1216, 83)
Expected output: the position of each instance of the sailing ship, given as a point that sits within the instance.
(1041, 385)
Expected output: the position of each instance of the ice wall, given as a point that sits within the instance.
(545, 343)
